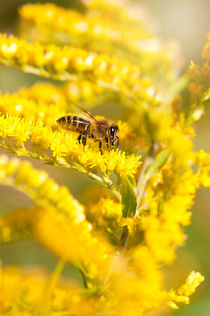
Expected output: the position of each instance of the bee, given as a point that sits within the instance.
(102, 131)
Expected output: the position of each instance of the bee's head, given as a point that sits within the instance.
(113, 134)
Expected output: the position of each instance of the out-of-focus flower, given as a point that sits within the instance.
(120, 240)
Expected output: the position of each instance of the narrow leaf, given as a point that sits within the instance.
(157, 163)
(129, 202)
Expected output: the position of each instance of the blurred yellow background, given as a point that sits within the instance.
(184, 21)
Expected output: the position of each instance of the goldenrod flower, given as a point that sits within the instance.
(28, 107)
(133, 224)
(199, 77)
(193, 280)
(25, 293)
(121, 35)
(69, 239)
(187, 289)
(67, 63)
(90, 27)
(106, 215)
(62, 149)
(202, 160)
(16, 225)
(39, 186)
(67, 219)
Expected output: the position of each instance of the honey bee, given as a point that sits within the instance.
(102, 131)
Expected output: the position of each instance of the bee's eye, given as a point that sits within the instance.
(112, 131)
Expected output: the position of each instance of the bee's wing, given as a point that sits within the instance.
(84, 113)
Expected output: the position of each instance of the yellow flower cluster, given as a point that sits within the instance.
(106, 215)
(90, 93)
(24, 298)
(58, 222)
(202, 160)
(192, 282)
(61, 98)
(198, 87)
(27, 107)
(62, 216)
(90, 26)
(68, 241)
(44, 92)
(69, 63)
(165, 207)
(200, 75)
(101, 31)
(39, 187)
(131, 227)
(36, 140)
(163, 212)
(16, 225)
(25, 294)
(46, 103)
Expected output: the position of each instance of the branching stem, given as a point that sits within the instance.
(141, 184)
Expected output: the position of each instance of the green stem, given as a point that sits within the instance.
(141, 184)
(142, 181)
(81, 270)
(45, 300)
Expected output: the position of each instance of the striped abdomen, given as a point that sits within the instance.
(73, 123)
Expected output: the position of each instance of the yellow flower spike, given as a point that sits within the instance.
(17, 225)
(70, 237)
(90, 93)
(193, 280)
(45, 92)
(85, 28)
(50, 55)
(71, 225)
(157, 237)
(182, 296)
(24, 173)
(17, 294)
(128, 139)
(47, 102)
(90, 25)
(107, 6)
(198, 87)
(41, 137)
(48, 189)
(149, 271)
(39, 186)
(8, 127)
(73, 91)
(62, 149)
(202, 160)
(12, 166)
(16, 104)
(106, 214)
(162, 225)
(172, 305)
(124, 167)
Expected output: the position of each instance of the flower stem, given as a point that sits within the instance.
(141, 184)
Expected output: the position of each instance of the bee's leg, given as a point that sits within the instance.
(79, 138)
(112, 145)
(84, 134)
(118, 144)
(100, 146)
(107, 142)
